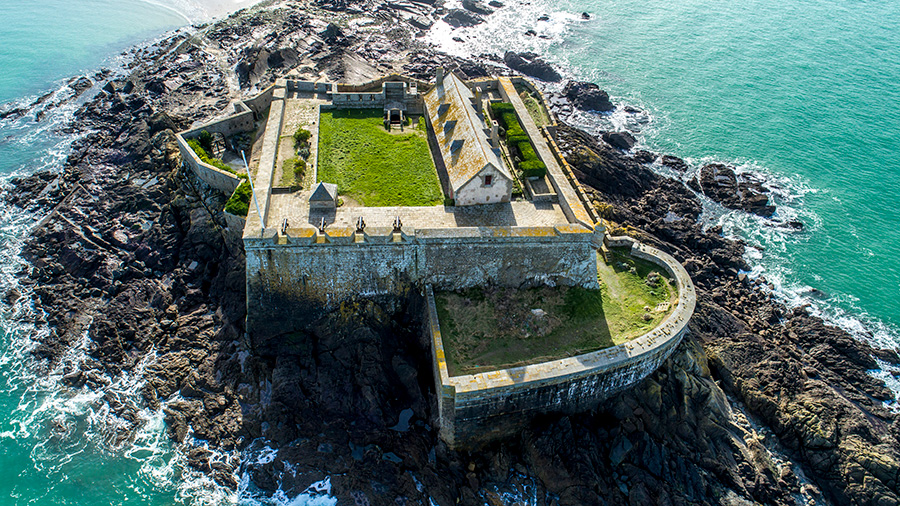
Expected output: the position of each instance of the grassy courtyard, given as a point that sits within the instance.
(373, 166)
(496, 328)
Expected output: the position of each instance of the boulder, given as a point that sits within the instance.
(587, 96)
(720, 183)
(621, 140)
(462, 18)
(477, 7)
(530, 64)
(674, 163)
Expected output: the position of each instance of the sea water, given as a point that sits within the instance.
(805, 94)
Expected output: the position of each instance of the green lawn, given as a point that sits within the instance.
(533, 103)
(373, 166)
(490, 329)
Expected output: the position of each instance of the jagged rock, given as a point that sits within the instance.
(81, 85)
(530, 64)
(458, 18)
(477, 7)
(587, 96)
(720, 183)
(621, 140)
(674, 163)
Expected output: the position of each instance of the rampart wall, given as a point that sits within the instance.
(219, 179)
(305, 268)
(474, 409)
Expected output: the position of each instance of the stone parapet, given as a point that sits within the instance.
(478, 407)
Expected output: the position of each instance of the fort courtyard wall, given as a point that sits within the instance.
(476, 408)
(305, 269)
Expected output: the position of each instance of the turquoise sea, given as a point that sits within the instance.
(804, 93)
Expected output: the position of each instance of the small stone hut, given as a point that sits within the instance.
(324, 196)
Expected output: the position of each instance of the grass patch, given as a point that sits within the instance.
(373, 166)
(292, 171)
(533, 104)
(489, 329)
(239, 202)
(206, 158)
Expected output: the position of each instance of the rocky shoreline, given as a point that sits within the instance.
(761, 404)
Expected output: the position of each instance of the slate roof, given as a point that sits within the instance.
(460, 132)
(324, 192)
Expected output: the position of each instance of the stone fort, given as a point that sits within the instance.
(310, 247)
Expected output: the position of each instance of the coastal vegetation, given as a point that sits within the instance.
(292, 171)
(529, 165)
(374, 166)
(239, 202)
(203, 153)
(486, 329)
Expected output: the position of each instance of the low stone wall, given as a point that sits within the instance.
(474, 409)
(305, 268)
(219, 179)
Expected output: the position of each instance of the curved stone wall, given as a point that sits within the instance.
(478, 407)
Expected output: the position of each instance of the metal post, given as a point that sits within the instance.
(253, 193)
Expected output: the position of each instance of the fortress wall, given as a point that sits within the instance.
(261, 102)
(474, 409)
(288, 274)
(483, 415)
(219, 179)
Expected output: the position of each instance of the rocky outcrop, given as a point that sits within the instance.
(621, 140)
(721, 183)
(532, 65)
(458, 18)
(587, 96)
(477, 7)
(758, 398)
(805, 380)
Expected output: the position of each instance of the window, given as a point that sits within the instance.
(488, 180)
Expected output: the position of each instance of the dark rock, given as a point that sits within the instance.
(544, 17)
(495, 4)
(81, 85)
(458, 18)
(530, 64)
(477, 7)
(587, 96)
(531, 33)
(644, 156)
(674, 163)
(720, 183)
(585, 15)
(621, 140)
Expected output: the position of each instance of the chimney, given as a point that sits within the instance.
(439, 77)
(495, 135)
(476, 98)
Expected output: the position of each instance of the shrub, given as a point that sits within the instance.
(500, 108)
(527, 151)
(303, 152)
(295, 166)
(239, 202)
(533, 168)
(205, 158)
(205, 140)
(516, 139)
(301, 137)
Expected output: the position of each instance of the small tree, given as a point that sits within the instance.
(301, 137)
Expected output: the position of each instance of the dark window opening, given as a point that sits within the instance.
(488, 180)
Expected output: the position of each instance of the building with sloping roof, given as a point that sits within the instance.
(324, 195)
(475, 172)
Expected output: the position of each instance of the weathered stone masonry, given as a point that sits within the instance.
(325, 268)
(475, 408)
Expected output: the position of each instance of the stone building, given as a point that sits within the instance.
(475, 172)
